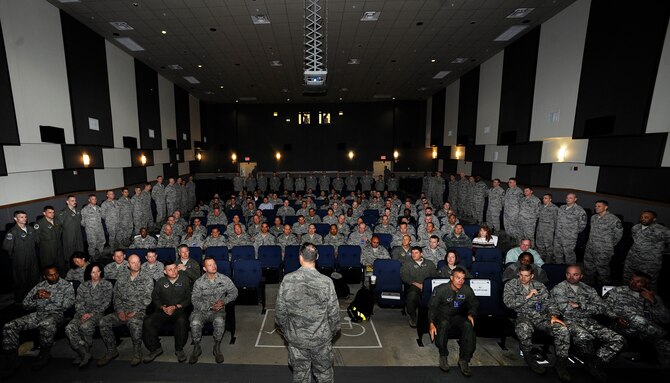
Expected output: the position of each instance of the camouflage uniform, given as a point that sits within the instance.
(308, 314)
(139, 220)
(605, 233)
(584, 329)
(168, 241)
(437, 191)
(366, 182)
(191, 196)
(646, 254)
(125, 224)
(239, 240)
(91, 220)
(351, 181)
(311, 182)
(171, 199)
(250, 183)
(210, 241)
(286, 240)
(334, 240)
(299, 228)
(92, 300)
(205, 294)
(453, 194)
(299, 184)
(338, 184)
(434, 255)
(368, 254)
(451, 240)
(356, 238)
(324, 183)
(426, 183)
(76, 274)
(130, 296)
(546, 225)
(196, 240)
(155, 271)
(238, 183)
(463, 202)
(262, 183)
(266, 239)
(534, 314)
(529, 211)
(479, 191)
(144, 243)
(221, 219)
(569, 223)
(116, 270)
(644, 319)
(392, 184)
(314, 239)
(496, 196)
(21, 247)
(284, 211)
(158, 195)
(411, 272)
(511, 202)
(47, 317)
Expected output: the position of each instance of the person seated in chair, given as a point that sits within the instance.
(451, 261)
(457, 238)
(525, 258)
(412, 274)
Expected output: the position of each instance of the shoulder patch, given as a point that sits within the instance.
(9, 236)
(37, 226)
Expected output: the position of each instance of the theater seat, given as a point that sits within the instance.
(388, 290)
(248, 276)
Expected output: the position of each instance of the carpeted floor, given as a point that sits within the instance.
(60, 370)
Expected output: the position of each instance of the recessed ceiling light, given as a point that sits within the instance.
(191, 79)
(340, 98)
(174, 67)
(392, 98)
(129, 43)
(422, 89)
(164, 32)
(433, 60)
(354, 61)
(237, 100)
(199, 65)
(260, 19)
(520, 13)
(288, 99)
(121, 25)
(370, 16)
(275, 63)
(441, 74)
(344, 89)
(136, 4)
(459, 60)
(285, 90)
(209, 92)
(221, 87)
(511, 32)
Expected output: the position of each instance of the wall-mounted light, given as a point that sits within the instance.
(198, 156)
(143, 159)
(275, 114)
(395, 155)
(278, 156)
(458, 154)
(562, 153)
(351, 155)
(434, 154)
(86, 159)
(233, 157)
(340, 113)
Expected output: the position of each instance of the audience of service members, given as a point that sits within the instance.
(59, 261)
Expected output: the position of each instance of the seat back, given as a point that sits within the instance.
(388, 280)
(270, 256)
(291, 258)
(242, 252)
(165, 254)
(195, 253)
(465, 253)
(489, 304)
(223, 267)
(555, 273)
(370, 220)
(290, 220)
(428, 289)
(385, 240)
(487, 270)
(247, 273)
(322, 229)
(372, 213)
(471, 230)
(217, 252)
(488, 254)
(142, 253)
(349, 256)
(326, 257)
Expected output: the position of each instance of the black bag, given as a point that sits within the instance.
(362, 306)
(341, 287)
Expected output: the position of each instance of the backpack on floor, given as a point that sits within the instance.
(341, 287)
(361, 307)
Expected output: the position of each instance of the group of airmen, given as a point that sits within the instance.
(430, 224)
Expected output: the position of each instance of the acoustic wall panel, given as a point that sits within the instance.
(475, 152)
(451, 113)
(467, 107)
(184, 168)
(525, 154)
(574, 176)
(496, 153)
(86, 63)
(167, 110)
(73, 157)
(464, 167)
(34, 185)
(3, 164)
(634, 151)
(116, 157)
(183, 120)
(122, 94)
(564, 150)
(161, 156)
(134, 176)
(170, 170)
(136, 157)
(10, 128)
(488, 103)
(70, 181)
(482, 169)
(534, 175)
(154, 171)
(503, 171)
(650, 184)
(109, 179)
(148, 106)
(437, 118)
(33, 157)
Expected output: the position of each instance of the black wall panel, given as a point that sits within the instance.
(176, 155)
(70, 181)
(518, 87)
(650, 184)
(134, 176)
(182, 116)
(468, 96)
(475, 152)
(10, 128)
(3, 164)
(73, 157)
(148, 106)
(52, 134)
(409, 121)
(636, 151)
(534, 175)
(482, 169)
(136, 157)
(525, 154)
(86, 63)
(450, 166)
(619, 67)
(170, 170)
(437, 118)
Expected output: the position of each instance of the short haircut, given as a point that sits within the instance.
(527, 268)
(208, 259)
(48, 207)
(48, 267)
(645, 211)
(641, 274)
(117, 249)
(91, 195)
(458, 269)
(548, 195)
(17, 212)
(526, 254)
(182, 246)
(436, 237)
(602, 201)
(581, 270)
(80, 255)
(457, 257)
(496, 179)
(308, 252)
(512, 179)
(417, 248)
(70, 196)
(89, 269)
(167, 263)
(528, 187)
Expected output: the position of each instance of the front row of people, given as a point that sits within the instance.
(174, 298)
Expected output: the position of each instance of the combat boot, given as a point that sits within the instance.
(218, 356)
(153, 355)
(532, 363)
(561, 367)
(12, 363)
(444, 363)
(85, 357)
(137, 355)
(197, 351)
(108, 357)
(42, 359)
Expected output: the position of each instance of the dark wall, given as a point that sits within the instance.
(643, 184)
(468, 97)
(437, 118)
(640, 151)
(370, 130)
(69, 181)
(182, 116)
(86, 63)
(619, 67)
(10, 129)
(518, 88)
(3, 164)
(148, 106)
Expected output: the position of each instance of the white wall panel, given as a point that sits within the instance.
(575, 150)
(19, 187)
(189, 154)
(451, 113)
(194, 115)
(559, 66)
(168, 117)
(488, 102)
(184, 168)
(33, 157)
(106, 179)
(503, 171)
(574, 176)
(495, 153)
(161, 156)
(464, 167)
(154, 171)
(122, 94)
(36, 61)
(116, 158)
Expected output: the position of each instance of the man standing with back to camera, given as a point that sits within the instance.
(308, 315)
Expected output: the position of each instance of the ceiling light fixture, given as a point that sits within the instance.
(459, 60)
(433, 60)
(174, 67)
(370, 16)
(520, 13)
(354, 61)
(275, 63)
(511, 32)
(164, 32)
(121, 26)
(191, 79)
(441, 74)
(260, 19)
(129, 43)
